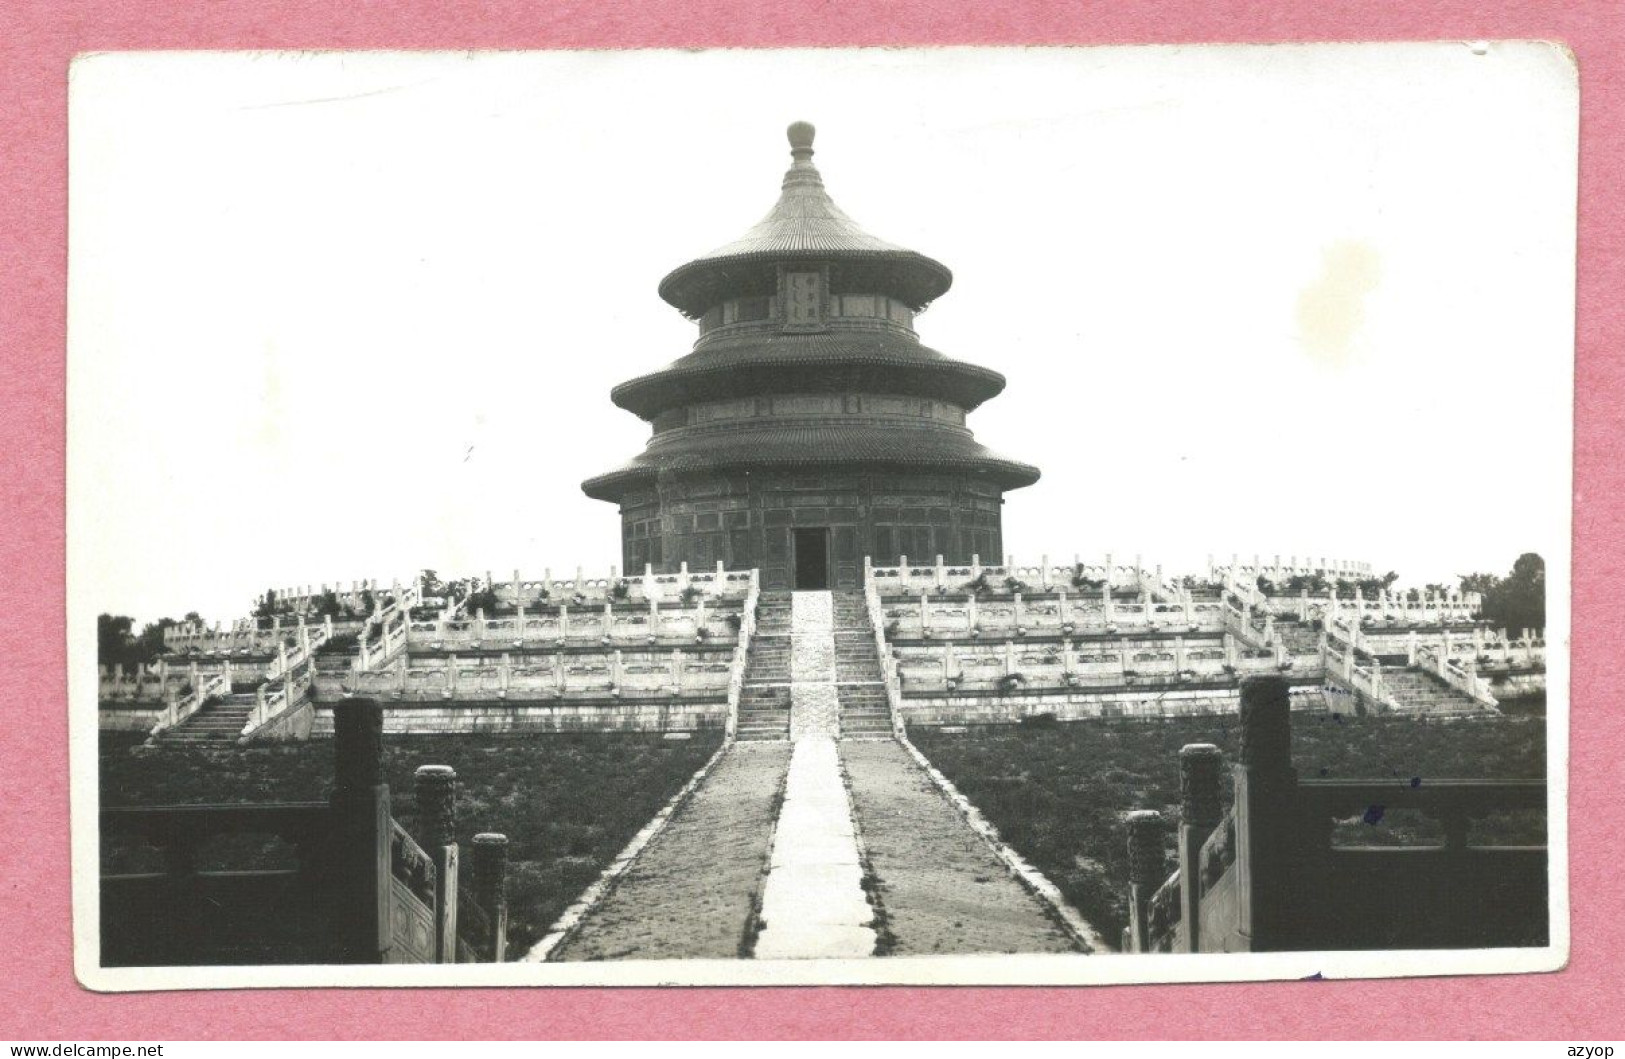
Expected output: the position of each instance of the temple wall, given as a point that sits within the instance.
(747, 520)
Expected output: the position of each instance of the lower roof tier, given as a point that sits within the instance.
(791, 448)
(820, 362)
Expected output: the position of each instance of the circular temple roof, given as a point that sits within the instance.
(804, 225)
(789, 447)
(808, 362)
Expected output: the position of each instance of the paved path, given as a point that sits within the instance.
(940, 886)
(814, 904)
(814, 709)
(690, 893)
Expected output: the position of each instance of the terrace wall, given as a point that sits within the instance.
(610, 715)
(1081, 705)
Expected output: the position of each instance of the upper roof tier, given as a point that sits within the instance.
(804, 225)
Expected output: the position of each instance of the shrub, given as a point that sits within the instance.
(1039, 721)
(341, 644)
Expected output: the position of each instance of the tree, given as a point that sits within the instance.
(114, 644)
(150, 644)
(327, 605)
(1314, 584)
(117, 646)
(1517, 601)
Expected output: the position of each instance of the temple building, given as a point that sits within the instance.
(808, 427)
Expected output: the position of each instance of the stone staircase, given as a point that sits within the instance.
(860, 690)
(216, 724)
(764, 702)
(1418, 691)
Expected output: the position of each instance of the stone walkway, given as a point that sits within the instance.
(942, 889)
(814, 708)
(813, 904)
(690, 894)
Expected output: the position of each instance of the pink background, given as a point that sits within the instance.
(39, 998)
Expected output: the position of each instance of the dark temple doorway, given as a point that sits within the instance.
(812, 558)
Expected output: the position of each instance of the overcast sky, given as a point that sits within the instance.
(349, 315)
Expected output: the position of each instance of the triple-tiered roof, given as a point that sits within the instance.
(806, 230)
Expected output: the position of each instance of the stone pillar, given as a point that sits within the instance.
(1266, 818)
(941, 573)
(361, 820)
(676, 672)
(490, 881)
(1200, 765)
(435, 787)
(970, 614)
(1146, 872)
(1043, 572)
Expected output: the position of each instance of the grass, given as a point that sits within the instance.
(567, 802)
(1057, 794)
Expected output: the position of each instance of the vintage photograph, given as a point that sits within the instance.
(1091, 515)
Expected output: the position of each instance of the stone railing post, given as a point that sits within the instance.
(1146, 872)
(490, 881)
(361, 823)
(435, 787)
(1199, 768)
(1266, 818)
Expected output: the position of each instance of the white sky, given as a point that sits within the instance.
(348, 315)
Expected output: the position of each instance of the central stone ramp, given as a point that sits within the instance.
(814, 905)
(691, 892)
(941, 888)
(814, 709)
